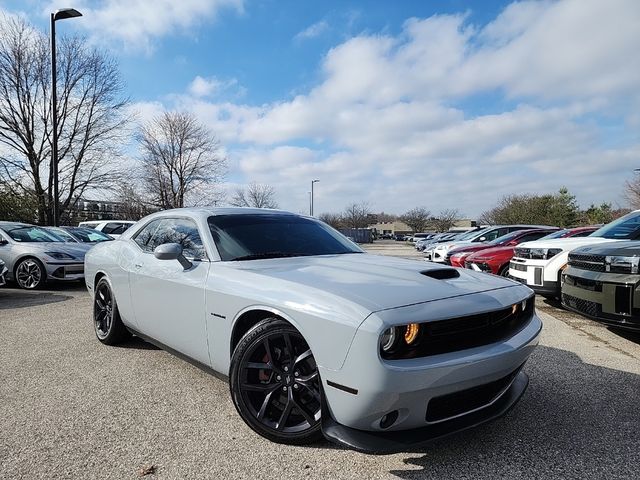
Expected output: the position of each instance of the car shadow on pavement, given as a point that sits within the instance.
(138, 344)
(15, 298)
(576, 420)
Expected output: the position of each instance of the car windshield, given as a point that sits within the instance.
(504, 239)
(472, 234)
(31, 234)
(64, 236)
(557, 234)
(88, 235)
(256, 236)
(624, 228)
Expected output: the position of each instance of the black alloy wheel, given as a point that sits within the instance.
(106, 318)
(275, 383)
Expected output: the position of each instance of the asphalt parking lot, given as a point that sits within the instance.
(73, 408)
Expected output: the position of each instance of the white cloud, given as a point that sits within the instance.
(403, 120)
(137, 23)
(312, 31)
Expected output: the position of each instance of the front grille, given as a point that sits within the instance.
(455, 334)
(518, 266)
(458, 403)
(583, 283)
(594, 263)
(587, 307)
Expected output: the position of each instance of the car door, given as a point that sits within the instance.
(168, 300)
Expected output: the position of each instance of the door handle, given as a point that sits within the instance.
(138, 265)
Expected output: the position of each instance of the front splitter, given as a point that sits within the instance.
(407, 440)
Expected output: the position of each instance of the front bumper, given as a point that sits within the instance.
(65, 271)
(367, 389)
(609, 298)
(532, 275)
(403, 440)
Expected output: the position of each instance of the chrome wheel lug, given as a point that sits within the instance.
(286, 369)
(296, 374)
(284, 389)
(278, 378)
(295, 386)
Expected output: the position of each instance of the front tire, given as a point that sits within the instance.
(30, 274)
(275, 384)
(106, 319)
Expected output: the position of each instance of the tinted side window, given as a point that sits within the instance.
(532, 236)
(144, 236)
(586, 233)
(492, 235)
(181, 231)
(115, 228)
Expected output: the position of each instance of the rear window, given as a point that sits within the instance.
(624, 228)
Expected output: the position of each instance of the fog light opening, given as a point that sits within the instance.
(389, 419)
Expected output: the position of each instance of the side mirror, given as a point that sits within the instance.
(482, 239)
(3, 242)
(512, 243)
(172, 251)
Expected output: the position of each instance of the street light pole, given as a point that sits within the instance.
(311, 207)
(57, 15)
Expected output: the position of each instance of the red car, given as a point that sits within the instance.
(456, 257)
(496, 258)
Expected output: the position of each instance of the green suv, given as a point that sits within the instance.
(602, 282)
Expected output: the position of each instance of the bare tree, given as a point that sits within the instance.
(181, 160)
(357, 215)
(91, 117)
(632, 192)
(133, 204)
(333, 219)
(255, 195)
(446, 219)
(416, 218)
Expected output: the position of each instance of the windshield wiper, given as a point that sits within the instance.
(258, 256)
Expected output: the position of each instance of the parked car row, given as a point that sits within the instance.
(31, 255)
(596, 276)
(593, 270)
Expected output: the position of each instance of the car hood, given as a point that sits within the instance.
(566, 243)
(489, 253)
(469, 248)
(76, 250)
(372, 281)
(626, 249)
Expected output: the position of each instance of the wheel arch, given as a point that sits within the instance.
(251, 316)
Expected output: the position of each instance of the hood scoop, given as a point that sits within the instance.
(442, 273)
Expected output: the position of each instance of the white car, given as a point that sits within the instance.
(113, 228)
(487, 234)
(540, 264)
(316, 336)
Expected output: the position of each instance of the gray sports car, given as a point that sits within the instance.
(33, 255)
(316, 336)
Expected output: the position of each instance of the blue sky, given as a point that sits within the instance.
(447, 104)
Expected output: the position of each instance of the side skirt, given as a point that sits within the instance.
(195, 363)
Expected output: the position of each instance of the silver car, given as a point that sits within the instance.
(316, 336)
(33, 255)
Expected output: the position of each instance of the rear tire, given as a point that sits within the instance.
(275, 384)
(106, 319)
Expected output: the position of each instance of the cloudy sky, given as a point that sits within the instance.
(447, 104)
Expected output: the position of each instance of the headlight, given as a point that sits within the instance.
(617, 264)
(543, 253)
(398, 338)
(59, 255)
